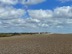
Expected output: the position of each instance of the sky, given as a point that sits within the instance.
(36, 16)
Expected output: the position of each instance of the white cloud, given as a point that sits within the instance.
(30, 2)
(57, 17)
(13, 2)
(60, 17)
(63, 12)
(10, 13)
(9, 1)
(59, 12)
(40, 13)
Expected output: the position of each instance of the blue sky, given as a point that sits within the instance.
(48, 4)
(36, 16)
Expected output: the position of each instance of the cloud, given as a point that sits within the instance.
(9, 1)
(13, 2)
(60, 17)
(30, 2)
(59, 12)
(10, 13)
(63, 12)
(53, 18)
(40, 13)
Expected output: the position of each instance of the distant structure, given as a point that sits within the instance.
(44, 33)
